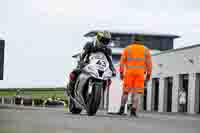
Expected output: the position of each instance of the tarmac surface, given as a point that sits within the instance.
(19, 119)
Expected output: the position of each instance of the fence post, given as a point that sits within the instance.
(13, 100)
(22, 101)
(2, 100)
(33, 104)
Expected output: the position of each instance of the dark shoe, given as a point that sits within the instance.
(121, 111)
(133, 112)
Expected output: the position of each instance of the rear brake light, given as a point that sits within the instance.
(72, 76)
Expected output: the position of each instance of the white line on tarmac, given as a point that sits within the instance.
(165, 117)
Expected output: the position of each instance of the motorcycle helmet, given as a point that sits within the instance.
(103, 38)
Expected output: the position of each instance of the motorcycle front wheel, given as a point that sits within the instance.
(94, 100)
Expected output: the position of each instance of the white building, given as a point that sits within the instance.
(172, 70)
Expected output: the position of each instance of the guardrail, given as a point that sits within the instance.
(19, 100)
(7, 100)
(16, 100)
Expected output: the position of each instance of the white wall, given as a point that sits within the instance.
(176, 62)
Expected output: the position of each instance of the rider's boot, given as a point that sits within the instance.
(70, 87)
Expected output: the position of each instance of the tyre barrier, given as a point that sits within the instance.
(49, 103)
(27, 101)
(38, 102)
(18, 100)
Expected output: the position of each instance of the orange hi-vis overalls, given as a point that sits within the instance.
(135, 62)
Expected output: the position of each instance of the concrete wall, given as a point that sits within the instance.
(176, 62)
(173, 64)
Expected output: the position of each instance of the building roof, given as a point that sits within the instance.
(177, 49)
(118, 51)
(123, 32)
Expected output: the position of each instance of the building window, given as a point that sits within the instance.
(116, 58)
(168, 93)
(183, 93)
(116, 42)
(155, 93)
(197, 94)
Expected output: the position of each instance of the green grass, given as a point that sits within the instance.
(7, 93)
(35, 93)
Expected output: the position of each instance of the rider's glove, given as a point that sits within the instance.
(114, 73)
(81, 64)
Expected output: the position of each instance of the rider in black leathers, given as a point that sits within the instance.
(100, 44)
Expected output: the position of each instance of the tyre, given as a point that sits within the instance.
(94, 100)
(72, 107)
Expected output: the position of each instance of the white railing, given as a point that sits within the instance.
(7, 100)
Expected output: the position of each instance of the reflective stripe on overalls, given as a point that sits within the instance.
(129, 58)
(135, 89)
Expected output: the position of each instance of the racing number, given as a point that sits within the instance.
(101, 63)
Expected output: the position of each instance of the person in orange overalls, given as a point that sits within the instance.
(135, 68)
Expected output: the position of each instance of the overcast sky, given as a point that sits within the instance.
(42, 35)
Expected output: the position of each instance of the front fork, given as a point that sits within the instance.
(90, 85)
(105, 86)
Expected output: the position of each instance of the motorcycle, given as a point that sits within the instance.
(90, 84)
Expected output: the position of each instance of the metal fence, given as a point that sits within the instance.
(7, 100)
(26, 101)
